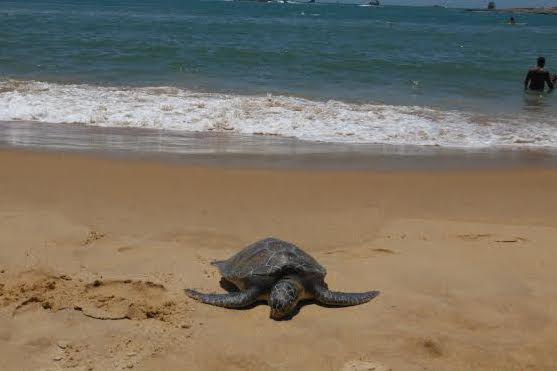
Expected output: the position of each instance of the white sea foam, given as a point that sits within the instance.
(330, 121)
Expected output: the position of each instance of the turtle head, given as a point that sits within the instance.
(284, 297)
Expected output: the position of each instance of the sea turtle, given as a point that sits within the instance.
(279, 272)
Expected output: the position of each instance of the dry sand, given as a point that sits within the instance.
(94, 255)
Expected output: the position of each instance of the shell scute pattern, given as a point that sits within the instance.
(269, 257)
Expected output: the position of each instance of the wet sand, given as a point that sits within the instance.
(260, 151)
(95, 252)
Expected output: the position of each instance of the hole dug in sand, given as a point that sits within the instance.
(126, 300)
(104, 300)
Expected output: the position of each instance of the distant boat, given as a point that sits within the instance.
(372, 3)
(490, 7)
(444, 5)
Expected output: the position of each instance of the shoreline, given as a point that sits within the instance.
(95, 254)
(258, 151)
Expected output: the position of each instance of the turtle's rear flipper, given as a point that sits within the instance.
(231, 300)
(342, 299)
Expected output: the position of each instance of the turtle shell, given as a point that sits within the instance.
(269, 258)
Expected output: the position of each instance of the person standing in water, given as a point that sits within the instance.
(537, 77)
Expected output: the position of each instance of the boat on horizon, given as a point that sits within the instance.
(445, 5)
(490, 7)
(374, 3)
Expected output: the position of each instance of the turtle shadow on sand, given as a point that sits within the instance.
(281, 274)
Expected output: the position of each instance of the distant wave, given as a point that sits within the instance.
(330, 121)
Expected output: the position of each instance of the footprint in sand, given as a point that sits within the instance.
(484, 236)
(383, 251)
(334, 252)
(72, 356)
(375, 252)
(124, 249)
(364, 366)
(92, 237)
(401, 236)
(432, 347)
(474, 236)
(511, 240)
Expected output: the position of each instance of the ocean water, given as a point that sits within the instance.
(318, 72)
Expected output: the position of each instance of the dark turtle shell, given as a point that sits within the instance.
(270, 257)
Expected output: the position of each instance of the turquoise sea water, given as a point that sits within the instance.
(336, 72)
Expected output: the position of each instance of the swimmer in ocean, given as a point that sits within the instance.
(537, 77)
(512, 21)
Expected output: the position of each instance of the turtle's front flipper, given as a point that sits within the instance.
(231, 300)
(341, 299)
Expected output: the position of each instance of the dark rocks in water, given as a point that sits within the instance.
(547, 11)
(544, 10)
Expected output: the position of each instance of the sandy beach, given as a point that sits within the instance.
(140, 141)
(95, 254)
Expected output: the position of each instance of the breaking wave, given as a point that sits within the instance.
(330, 121)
